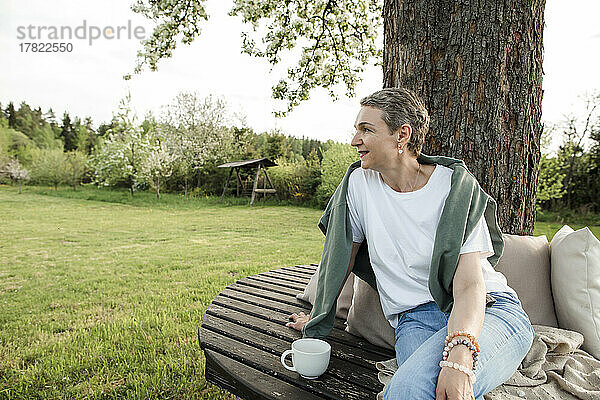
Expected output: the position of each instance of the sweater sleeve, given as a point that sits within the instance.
(332, 271)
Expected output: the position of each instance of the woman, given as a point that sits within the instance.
(432, 240)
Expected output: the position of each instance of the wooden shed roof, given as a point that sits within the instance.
(248, 163)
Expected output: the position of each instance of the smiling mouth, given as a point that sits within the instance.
(363, 153)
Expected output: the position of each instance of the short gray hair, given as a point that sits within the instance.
(401, 106)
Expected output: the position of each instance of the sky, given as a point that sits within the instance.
(88, 81)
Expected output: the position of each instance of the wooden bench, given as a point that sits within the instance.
(243, 335)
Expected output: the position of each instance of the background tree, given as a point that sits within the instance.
(481, 79)
(15, 172)
(158, 166)
(276, 146)
(50, 117)
(12, 142)
(48, 167)
(11, 115)
(201, 126)
(32, 124)
(119, 159)
(84, 136)
(68, 134)
(75, 168)
(576, 163)
(550, 180)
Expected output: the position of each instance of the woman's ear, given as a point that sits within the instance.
(404, 133)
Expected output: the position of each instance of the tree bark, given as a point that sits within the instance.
(478, 67)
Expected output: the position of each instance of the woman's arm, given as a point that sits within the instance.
(468, 311)
(299, 320)
(468, 290)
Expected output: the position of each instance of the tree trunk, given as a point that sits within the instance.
(158, 188)
(479, 69)
(19, 187)
(133, 168)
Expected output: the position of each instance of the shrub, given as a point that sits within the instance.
(550, 180)
(210, 179)
(295, 180)
(336, 160)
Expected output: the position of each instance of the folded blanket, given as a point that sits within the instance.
(554, 368)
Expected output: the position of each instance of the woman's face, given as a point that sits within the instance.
(376, 146)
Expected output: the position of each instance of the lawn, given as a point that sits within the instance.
(101, 294)
(103, 300)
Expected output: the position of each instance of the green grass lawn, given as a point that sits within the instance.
(101, 294)
(103, 300)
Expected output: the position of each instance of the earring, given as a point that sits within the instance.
(400, 151)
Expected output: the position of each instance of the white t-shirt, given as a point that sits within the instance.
(400, 232)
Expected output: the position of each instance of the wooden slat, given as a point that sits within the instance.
(273, 323)
(269, 286)
(327, 386)
(276, 281)
(307, 268)
(289, 278)
(352, 373)
(293, 273)
(300, 270)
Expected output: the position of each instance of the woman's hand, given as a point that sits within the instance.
(298, 321)
(453, 384)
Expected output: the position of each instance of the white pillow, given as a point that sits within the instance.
(575, 277)
(343, 302)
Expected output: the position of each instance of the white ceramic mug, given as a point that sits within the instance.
(310, 357)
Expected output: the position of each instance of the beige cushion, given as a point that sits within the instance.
(576, 284)
(525, 263)
(344, 301)
(366, 319)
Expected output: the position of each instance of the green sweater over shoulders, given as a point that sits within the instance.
(464, 207)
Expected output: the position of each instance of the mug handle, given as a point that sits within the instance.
(283, 356)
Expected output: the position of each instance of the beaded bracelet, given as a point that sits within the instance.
(460, 368)
(473, 343)
(466, 342)
(462, 333)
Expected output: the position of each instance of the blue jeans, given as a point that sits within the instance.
(505, 339)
